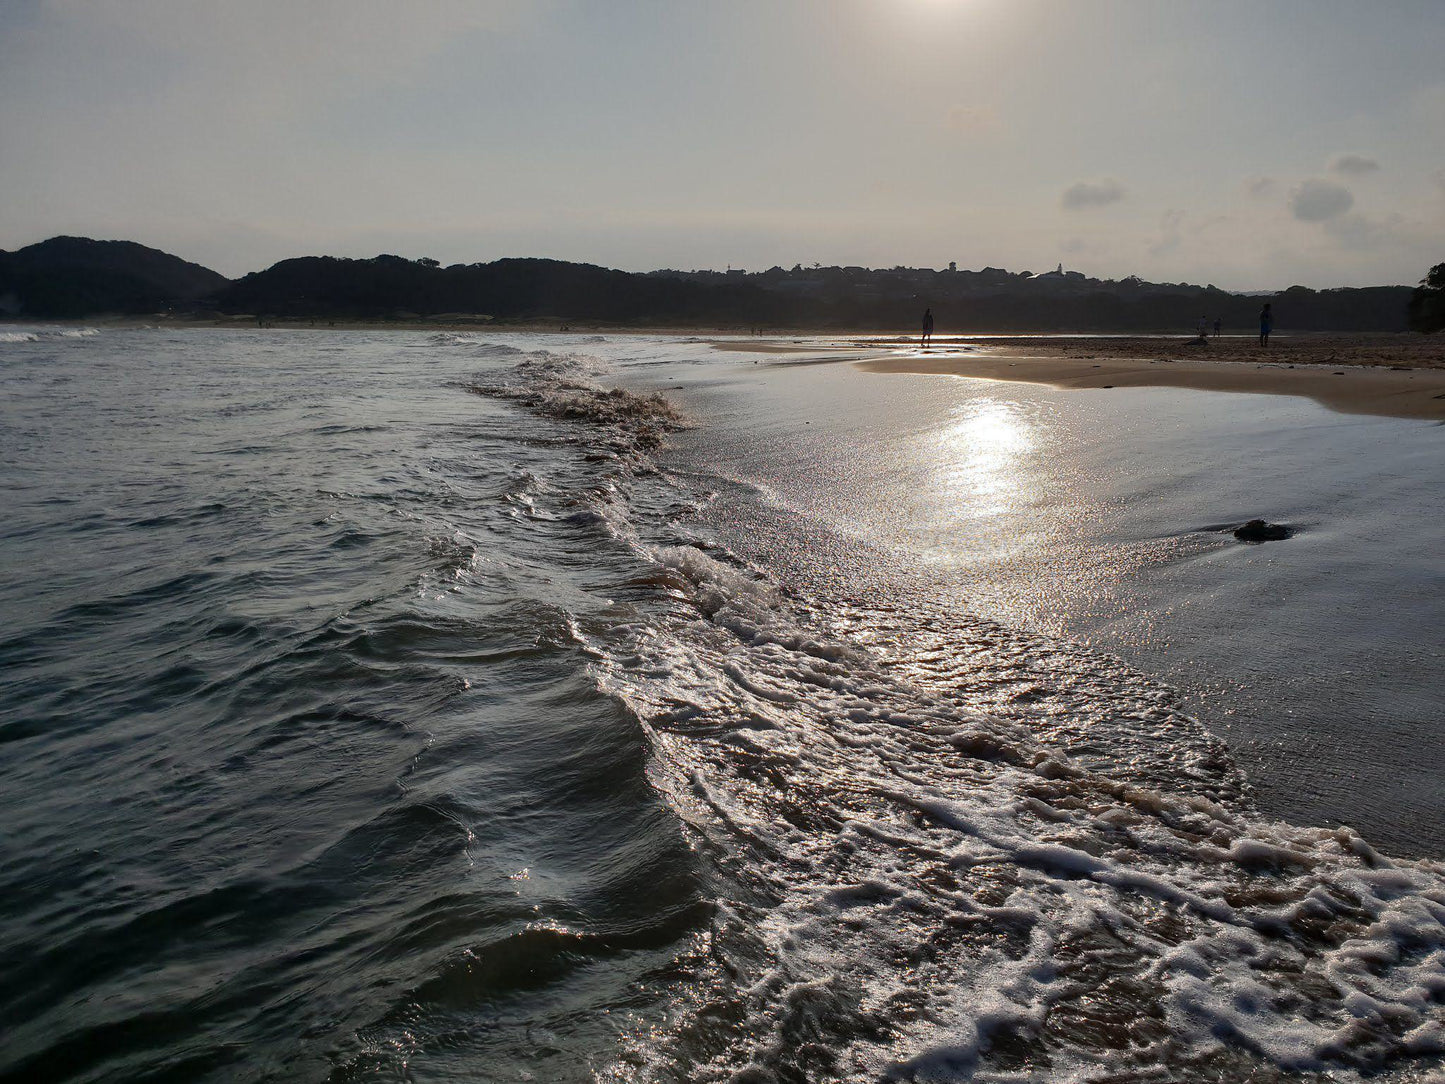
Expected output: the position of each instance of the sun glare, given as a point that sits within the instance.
(979, 454)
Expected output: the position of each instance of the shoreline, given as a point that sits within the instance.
(1399, 375)
(767, 339)
(1355, 389)
(1380, 376)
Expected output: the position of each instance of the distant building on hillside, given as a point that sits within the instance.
(1060, 273)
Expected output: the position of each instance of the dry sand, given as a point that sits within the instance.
(1391, 375)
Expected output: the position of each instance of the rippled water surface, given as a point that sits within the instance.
(383, 706)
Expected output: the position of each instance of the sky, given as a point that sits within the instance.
(1252, 144)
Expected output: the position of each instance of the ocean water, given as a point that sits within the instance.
(407, 706)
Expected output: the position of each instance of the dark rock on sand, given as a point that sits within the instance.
(1257, 530)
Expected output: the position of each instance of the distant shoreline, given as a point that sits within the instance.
(1347, 374)
(764, 337)
(1384, 375)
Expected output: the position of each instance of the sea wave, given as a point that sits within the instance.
(485, 347)
(352, 683)
(35, 335)
(555, 386)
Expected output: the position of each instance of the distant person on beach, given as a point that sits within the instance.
(1266, 325)
(1203, 327)
(1218, 323)
(927, 326)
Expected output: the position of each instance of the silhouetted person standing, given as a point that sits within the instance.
(1218, 323)
(927, 326)
(1266, 325)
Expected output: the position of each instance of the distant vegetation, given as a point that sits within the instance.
(1427, 305)
(73, 277)
(817, 297)
(70, 277)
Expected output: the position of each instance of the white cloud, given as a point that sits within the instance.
(1315, 200)
(1090, 194)
(1353, 165)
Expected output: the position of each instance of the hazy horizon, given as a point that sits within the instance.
(1253, 147)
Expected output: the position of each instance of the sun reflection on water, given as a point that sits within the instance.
(981, 458)
(1013, 524)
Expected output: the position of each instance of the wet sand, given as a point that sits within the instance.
(1389, 376)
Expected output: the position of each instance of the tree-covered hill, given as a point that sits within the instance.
(70, 277)
(822, 297)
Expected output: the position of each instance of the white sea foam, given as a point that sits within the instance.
(481, 345)
(33, 335)
(559, 386)
(953, 889)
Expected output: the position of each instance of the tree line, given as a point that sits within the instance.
(77, 277)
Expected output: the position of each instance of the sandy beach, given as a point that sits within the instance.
(1386, 375)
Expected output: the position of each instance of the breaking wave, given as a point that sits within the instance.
(35, 335)
(553, 385)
